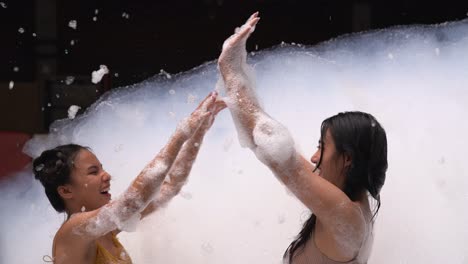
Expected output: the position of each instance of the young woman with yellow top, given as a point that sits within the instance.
(76, 183)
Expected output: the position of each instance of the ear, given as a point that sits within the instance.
(347, 160)
(65, 191)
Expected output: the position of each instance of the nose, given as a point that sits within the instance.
(316, 157)
(106, 176)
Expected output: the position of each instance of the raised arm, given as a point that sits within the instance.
(270, 140)
(88, 226)
(178, 173)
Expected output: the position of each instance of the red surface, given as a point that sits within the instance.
(12, 158)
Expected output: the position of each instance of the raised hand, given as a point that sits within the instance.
(199, 116)
(234, 54)
(214, 109)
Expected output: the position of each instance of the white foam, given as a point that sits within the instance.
(72, 24)
(96, 76)
(419, 97)
(69, 80)
(72, 110)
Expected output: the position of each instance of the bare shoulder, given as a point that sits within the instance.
(341, 237)
(71, 245)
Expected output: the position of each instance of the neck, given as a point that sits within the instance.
(73, 209)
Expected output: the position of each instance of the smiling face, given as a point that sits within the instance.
(90, 183)
(331, 164)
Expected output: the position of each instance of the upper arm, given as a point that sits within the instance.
(324, 199)
(89, 226)
(341, 217)
(76, 230)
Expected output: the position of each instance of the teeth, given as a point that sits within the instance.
(106, 190)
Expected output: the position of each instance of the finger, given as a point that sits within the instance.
(219, 105)
(209, 100)
(247, 29)
(253, 16)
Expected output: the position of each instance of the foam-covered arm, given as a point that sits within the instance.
(178, 174)
(269, 139)
(180, 170)
(127, 208)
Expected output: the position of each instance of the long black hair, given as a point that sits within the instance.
(360, 136)
(53, 169)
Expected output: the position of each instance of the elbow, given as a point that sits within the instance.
(274, 144)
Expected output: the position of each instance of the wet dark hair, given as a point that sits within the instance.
(53, 169)
(360, 136)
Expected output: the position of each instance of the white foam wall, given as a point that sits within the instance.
(233, 210)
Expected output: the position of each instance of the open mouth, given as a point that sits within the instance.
(106, 191)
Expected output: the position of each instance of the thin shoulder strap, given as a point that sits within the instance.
(47, 258)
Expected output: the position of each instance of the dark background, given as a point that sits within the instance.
(172, 35)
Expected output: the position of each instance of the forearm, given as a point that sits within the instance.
(178, 173)
(148, 182)
(269, 139)
(126, 208)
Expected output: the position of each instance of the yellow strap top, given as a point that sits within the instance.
(105, 257)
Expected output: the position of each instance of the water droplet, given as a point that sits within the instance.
(94, 18)
(72, 42)
(21, 30)
(11, 85)
(16, 69)
(2, 4)
(171, 92)
(83, 209)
